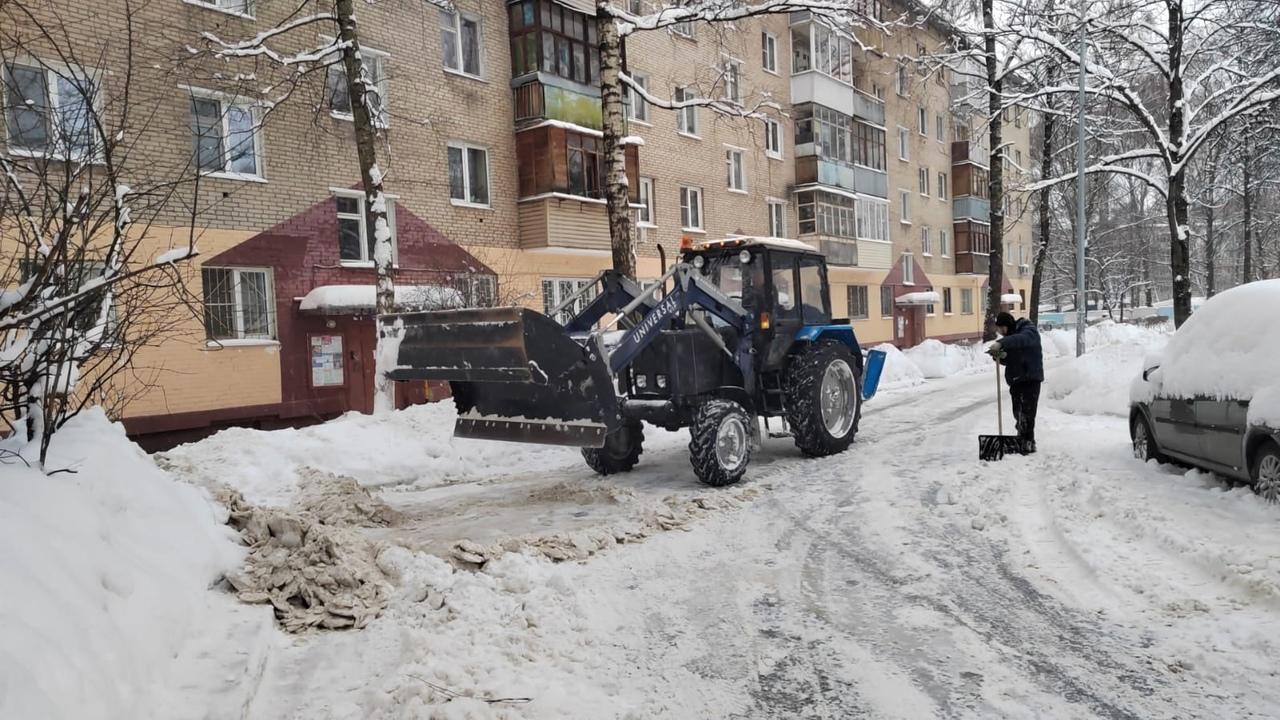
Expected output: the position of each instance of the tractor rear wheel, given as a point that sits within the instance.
(720, 442)
(824, 398)
(621, 450)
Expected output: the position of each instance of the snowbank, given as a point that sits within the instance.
(104, 577)
(414, 446)
(1097, 383)
(898, 371)
(1226, 349)
(936, 359)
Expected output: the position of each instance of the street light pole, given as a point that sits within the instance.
(1082, 312)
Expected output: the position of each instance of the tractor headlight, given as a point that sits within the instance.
(744, 257)
(662, 382)
(699, 261)
(641, 382)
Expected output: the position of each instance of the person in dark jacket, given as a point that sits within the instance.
(1018, 349)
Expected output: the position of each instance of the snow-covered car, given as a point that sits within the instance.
(1212, 398)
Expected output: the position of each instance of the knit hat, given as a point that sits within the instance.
(1005, 320)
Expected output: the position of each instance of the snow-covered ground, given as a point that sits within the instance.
(902, 579)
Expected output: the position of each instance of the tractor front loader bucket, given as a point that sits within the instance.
(516, 375)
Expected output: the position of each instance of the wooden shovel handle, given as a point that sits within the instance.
(999, 405)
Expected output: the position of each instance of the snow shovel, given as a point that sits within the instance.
(995, 447)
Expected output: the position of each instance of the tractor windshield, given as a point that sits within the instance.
(726, 273)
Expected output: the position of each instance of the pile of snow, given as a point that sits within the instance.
(411, 447)
(1096, 382)
(105, 576)
(936, 359)
(898, 371)
(1227, 349)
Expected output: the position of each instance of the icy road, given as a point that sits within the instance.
(902, 579)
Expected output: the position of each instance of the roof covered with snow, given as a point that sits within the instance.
(775, 243)
(1011, 298)
(928, 297)
(340, 299)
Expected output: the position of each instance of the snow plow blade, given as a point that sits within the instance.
(516, 375)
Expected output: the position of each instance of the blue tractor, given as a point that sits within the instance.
(735, 331)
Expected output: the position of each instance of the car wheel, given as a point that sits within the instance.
(1266, 472)
(1144, 442)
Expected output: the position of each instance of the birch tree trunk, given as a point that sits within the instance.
(995, 273)
(360, 86)
(614, 127)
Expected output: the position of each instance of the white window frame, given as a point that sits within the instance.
(237, 312)
(466, 174)
(731, 74)
(362, 217)
(687, 193)
(901, 79)
(778, 225)
(384, 89)
(922, 121)
(735, 158)
(944, 243)
(904, 211)
(218, 6)
(255, 108)
(904, 144)
(966, 301)
(942, 185)
(769, 52)
(686, 117)
(637, 108)
(648, 206)
(458, 15)
(686, 29)
(940, 130)
(926, 241)
(773, 140)
(558, 297)
(908, 269)
(922, 181)
(51, 70)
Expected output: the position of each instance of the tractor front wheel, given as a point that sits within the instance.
(824, 398)
(720, 442)
(621, 450)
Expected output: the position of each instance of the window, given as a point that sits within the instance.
(731, 73)
(901, 81)
(815, 307)
(873, 220)
(769, 52)
(553, 39)
(586, 165)
(942, 186)
(904, 144)
(908, 269)
(558, 290)
(966, 301)
(939, 128)
(777, 218)
(904, 197)
(926, 241)
(691, 208)
(817, 47)
(375, 64)
(946, 301)
(687, 117)
(922, 121)
(1017, 160)
(686, 29)
(468, 175)
(238, 303)
(50, 111)
(858, 309)
(868, 146)
(635, 7)
(235, 7)
(1023, 295)
(355, 242)
(944, 243)
(922, 181)
(773, 138)
(886, 301)
(637, 108)
(1017, 117)
(226, 136)
(460, 39)
(736, 175)
(825, 213)
(645, 215)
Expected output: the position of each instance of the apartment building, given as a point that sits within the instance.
(491, 113)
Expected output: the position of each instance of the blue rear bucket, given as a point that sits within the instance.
(871, 375)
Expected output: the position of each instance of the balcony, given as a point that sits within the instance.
(968, 263)
(811, 169)
(838, 251)
(816, 87)
(541, 97)
(965, 151)
(968, 206)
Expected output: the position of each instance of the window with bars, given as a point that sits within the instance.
(858, 308)
(886, 301)
(556, 291)
(238, 303)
